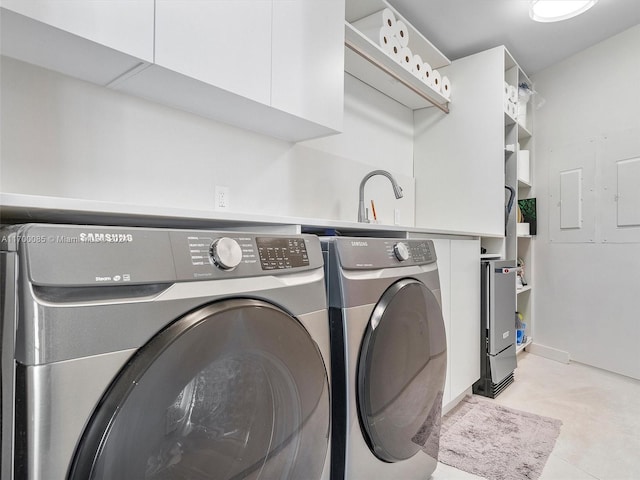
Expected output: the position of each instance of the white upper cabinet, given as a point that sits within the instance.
(93, 40)
(275, 67)
(224, 43)
(271, 66)
(308, 60)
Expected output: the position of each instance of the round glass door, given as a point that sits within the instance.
(234, 390)
(401, 371)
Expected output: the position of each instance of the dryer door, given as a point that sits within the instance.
(234, 390)
(401, 373)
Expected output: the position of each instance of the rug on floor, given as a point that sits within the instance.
(496, 442)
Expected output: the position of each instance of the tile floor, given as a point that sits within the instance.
(600, 411)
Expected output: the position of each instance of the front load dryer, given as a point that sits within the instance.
(131, 353)
(388, 357)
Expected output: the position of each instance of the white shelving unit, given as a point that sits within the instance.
(517, 136)
(367, 61)
(471, 175)
(525, 243)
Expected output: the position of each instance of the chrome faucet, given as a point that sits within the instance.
(397, 191)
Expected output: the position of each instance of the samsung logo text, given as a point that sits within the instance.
(355, 243)
(106, 237)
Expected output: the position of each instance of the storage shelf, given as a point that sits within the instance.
(521, 347)
(357, 9)
(368, 62)
(489, 255)
(526, 288)
(523, 184)
(523, 132)
(509, 120)
(365, 60)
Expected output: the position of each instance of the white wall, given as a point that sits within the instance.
(68, 138)
(587, 285)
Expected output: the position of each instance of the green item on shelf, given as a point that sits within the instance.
(528, 208)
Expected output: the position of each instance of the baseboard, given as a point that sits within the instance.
(549, 352)
(446, 408)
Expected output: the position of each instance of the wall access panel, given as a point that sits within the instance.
(619, 167)
(571, 199)
(572, 192)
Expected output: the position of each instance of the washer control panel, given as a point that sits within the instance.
(278, 253)
(211, 254)
(106, 255)
(422, 251)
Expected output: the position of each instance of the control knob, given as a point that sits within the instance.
(226, 253)
(401, 251)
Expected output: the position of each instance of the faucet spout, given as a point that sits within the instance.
(397, 191)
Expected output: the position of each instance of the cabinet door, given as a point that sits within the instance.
(225, 43)
(308, 59)
(96, 40)
(443, 248)
(459, 158)
(124, 25)
(465, 315)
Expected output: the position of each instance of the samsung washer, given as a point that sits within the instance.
(388, 357)
(132, 353)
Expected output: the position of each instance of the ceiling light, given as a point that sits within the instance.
(556, 10)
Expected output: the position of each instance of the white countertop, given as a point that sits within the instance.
(20, 208)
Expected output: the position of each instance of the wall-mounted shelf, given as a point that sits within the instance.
(365, 60)
(526, 288)
(523, 184)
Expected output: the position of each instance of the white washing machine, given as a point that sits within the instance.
(131, 353)
(389, 357)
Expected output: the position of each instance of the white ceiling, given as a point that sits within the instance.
(463, 27)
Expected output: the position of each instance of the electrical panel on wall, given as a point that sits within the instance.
(619, 160)
(593, 190)
(572, 193)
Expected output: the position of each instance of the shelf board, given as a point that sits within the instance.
(523, 132)
(526, 288)
(521, 347)
(525, 236)
(358, 9)
(368, 62)
(489, 255)
(509, 120)
(523, 184)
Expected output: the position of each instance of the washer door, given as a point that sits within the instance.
(234, 390)
(401, 373)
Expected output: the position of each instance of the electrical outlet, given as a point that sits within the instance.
(222, 198)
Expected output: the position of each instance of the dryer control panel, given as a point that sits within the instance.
(371, 253)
